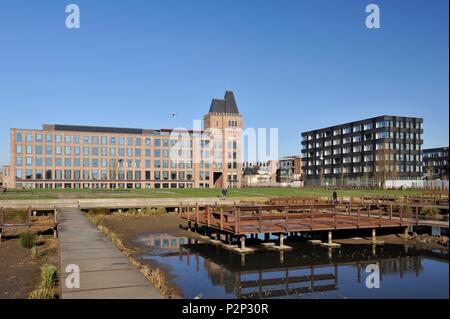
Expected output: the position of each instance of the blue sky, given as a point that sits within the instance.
(295, 65)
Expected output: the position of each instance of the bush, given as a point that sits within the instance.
(35, 252)
(27, 239)
(99, 211)
(48, 276)
(431, 212)
(41, 293)
(96, 220)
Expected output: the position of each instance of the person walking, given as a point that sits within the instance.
(335, 197)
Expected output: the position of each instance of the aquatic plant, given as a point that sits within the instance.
(27, 239)
(48, 276)
(41, 293)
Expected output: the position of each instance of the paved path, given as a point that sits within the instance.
(105, 272)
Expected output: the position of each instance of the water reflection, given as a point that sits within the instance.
(306, 272)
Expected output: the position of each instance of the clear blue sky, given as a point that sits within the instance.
(295, 65)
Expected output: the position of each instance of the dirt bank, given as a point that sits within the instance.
(19, 272)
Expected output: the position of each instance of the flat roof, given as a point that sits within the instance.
(362, 121)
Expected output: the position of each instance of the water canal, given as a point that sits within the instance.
(308, 271)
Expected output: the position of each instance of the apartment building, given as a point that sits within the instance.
(74, 157)
(377, 149)
(435, 161)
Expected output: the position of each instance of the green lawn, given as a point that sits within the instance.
(211, 192)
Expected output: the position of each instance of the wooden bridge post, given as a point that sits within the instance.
(236, 226)
(221, 219)
(29, 216)
(238, 218)
(368, 211)
(311, 217)
(208, 217)
(379, 215)
(335, 217)
(358, 219)
(197, 214)
(189, 220)
(417, 215)
(180, 209)
(286, 212)
(401, 215)
(390, 212)
(350, 208)
(259, 212)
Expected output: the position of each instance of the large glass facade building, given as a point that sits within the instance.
(372, 150)
(68, 156)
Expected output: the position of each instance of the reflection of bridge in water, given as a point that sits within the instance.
(306, 270)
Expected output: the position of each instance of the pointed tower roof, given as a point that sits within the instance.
(226, 105)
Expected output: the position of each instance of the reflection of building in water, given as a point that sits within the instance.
(311, 269)
(165, 241)
(392, 266)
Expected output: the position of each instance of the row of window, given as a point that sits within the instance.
(129, 141)
(106, 185)
(359, 127)
(359, 138)
(103, 162)
(367, 169)
(106, 175)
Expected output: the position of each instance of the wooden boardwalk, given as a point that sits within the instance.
(105, 272)
(243, 220)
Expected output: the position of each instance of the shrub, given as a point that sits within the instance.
(35, 252)
(99, 211)
(48, 276)
(41, 293)
(27, 239)
(96, 220)
(431, 212)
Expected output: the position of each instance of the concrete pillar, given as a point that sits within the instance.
(330, 238)
(281, 240)
(55, 233)
(374, 235)
(34, 213)
(242, 242)
(406, 232)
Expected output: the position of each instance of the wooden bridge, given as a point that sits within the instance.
(249, 219)
(27, 222)
(237, 221)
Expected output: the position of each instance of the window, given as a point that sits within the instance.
(18, 137)
(67, 138)
(19, 149)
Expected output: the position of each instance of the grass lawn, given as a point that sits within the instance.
(195, 192)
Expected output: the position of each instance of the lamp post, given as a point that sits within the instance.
(321, 169)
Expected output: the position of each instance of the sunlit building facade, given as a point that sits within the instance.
(75, 157)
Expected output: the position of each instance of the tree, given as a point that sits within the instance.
(382, 164)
